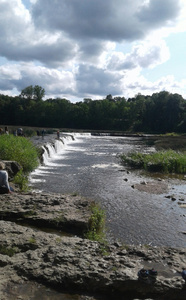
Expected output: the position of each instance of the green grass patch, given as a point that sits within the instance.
(8, 251)
(96, 224)
(19, 149)
(32, 240)
(162, 161)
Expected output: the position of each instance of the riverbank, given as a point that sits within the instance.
(70, 264)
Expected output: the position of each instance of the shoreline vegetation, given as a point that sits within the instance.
(161, 161)
(169, 157)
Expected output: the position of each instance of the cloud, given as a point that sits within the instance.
(21, 41)
(92, 23)
(72, 48)
(96, 81)
(114, 20)
(158, 13)
(146, 54)
(134, 83)
(55, 82)
(86, 81)
(56, 33)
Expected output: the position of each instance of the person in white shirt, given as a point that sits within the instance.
(4, 184)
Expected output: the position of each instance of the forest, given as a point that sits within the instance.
(161, 112)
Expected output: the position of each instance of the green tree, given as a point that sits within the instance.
(33, 93)
(27, 92)
(39, 93)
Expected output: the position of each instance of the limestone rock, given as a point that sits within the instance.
(74, 264)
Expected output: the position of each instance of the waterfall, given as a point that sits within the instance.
(52, 148)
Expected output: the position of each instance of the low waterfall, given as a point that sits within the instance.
(51, 149)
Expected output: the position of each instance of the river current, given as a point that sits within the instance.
(90, 166)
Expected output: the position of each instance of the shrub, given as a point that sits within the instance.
(19, 149)
(21, 180)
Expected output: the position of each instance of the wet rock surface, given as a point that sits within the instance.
(72, 263)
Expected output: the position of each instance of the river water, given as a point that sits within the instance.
(90, 166)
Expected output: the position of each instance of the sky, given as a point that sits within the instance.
(78, 49)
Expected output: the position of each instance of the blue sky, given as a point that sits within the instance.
(90, 48)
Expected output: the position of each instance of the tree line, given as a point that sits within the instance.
(161, 112)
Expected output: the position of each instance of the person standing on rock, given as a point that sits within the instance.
(58, 134)
(43, 134)
(6, 130)
(4, 184)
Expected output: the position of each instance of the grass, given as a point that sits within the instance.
(96, 224)
(169, 161)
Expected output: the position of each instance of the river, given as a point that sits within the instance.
(90, 166)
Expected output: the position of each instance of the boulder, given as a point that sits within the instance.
(12, 168)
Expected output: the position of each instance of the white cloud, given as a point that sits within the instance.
(146, 54)
(70, 47)
(55, 82)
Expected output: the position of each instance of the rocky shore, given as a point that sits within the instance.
(41, 241)
(42, 245)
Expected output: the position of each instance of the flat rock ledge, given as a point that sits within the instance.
(70, 263)
(68, 213)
